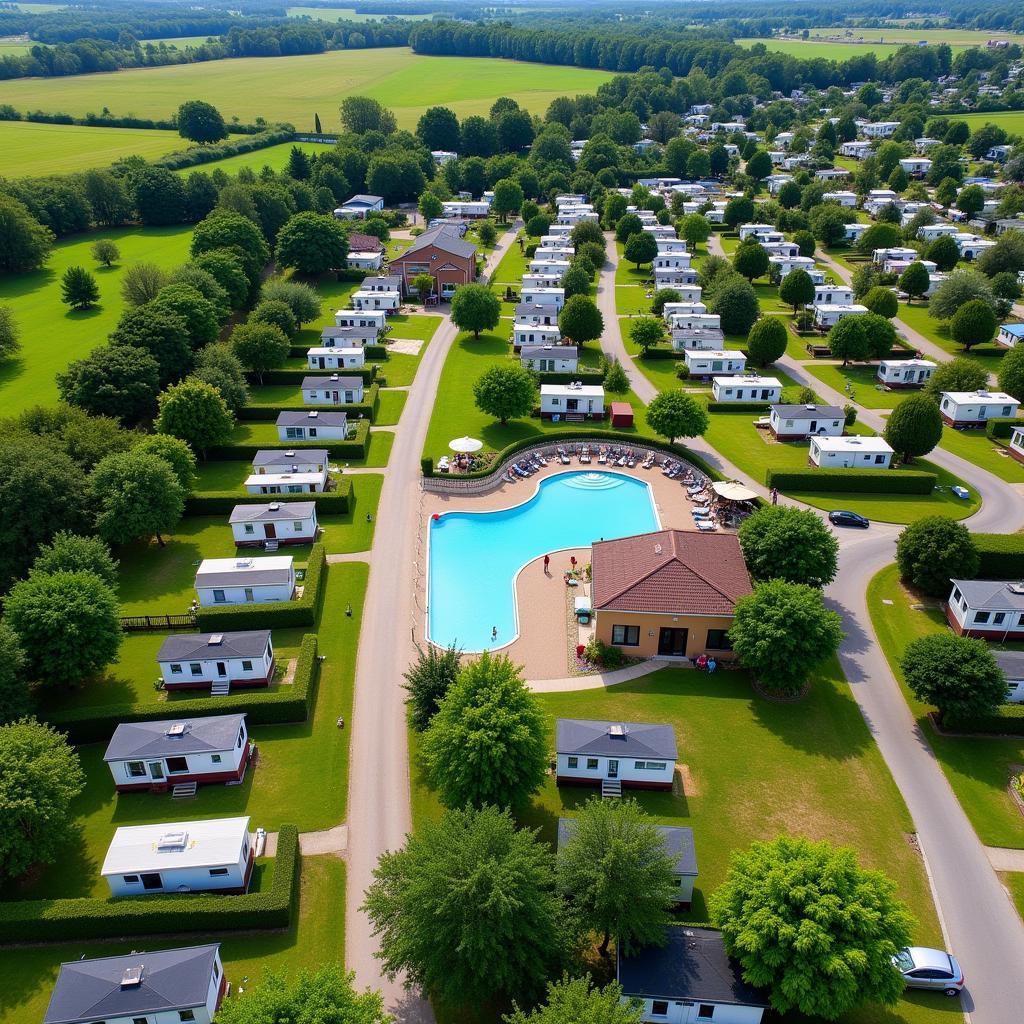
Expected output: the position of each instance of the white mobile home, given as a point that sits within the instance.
(544, 297)
(360, 207)
(905, 373)
(987, 609)
(696, 321)
(361, 318)
(388, 301)
(199, 661)
(746, 389)
(786, 264)
(854, 452)
(534, 313)
(535, 334)
(898, 252)
(916, 166)
(545, 265)
(333, 390)
(976, 408)
(269, 526)
(677, 278)
(572, 402)
(672, 261)
(756, 231)
(349, 337)
(829, 314)
(545, 279)
(1009, 335)
(858, 149)
(715, 363)
(690, 339)
(796, 422)
(295, 471)
(550, 358)
(222, 581)
(833, 295)
(314, 425)
(636, 755)
(336, 358)
(180, 856)
(842, 197)
(364, 260)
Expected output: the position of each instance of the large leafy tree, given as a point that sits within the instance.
(68, 623)
(1011, 372)
(78, 288)
(326, 995)
(468, 909)
(141, 283)
(957, 674)
(159, 196)
(302, 298)
(959, 374)
(581, 320)
(879, 334)
(362, 114)
(40, 776)
(505, 392)
(914, 427)
(767, 339)
(646, 333)
(616, 872)
(914, 281)
(675, 414)
(733, 298)
(199, 121)
(260, 347)
(932, 551)
(10, 334)
(195, 411)
(225, 229)
(438, 128)
(218, 366)
(574, 1001)
(113, 380)
(974, 323)
(137, 494)
(15, 695)
(1006, 256)
(848, 340)
(783, 630)
(797, 288)
(751, 260)
(24, 243)
(487, 742)
(70, 552)
(475, 308)
(175, 453)
(788, 543)
(944, 253)
(508, 198)
(807, 922)
(160, 332)
(278, 313)
(225, 266)
(961, 287)
(202, 320)
(312, 243)
(882, 301)
(695, 228)
(640, 248)
(428, 680)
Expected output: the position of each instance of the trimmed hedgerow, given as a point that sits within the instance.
(212, 503)
(744, 407)
(64, 920)
(565, 376)
(1000, 428)
(296, 374)
(1006, 720)
(262, 707)
(853, 481)
(1002, 556)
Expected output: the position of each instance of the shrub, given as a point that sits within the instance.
(214, 503)
(853, 481)
(1001, 556)
(354, 448)
(933, 551)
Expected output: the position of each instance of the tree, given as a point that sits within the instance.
(879, 236)
(879, 333)
(312, 243)
(759, 166)
(628, 224)
(538, 225)
(142, 282)
(225, 229)
(106, 252)
(78, 288)
(15, 697)
(260, 347)
(508, 198)
(505, 392)
(788, 195)
(10, 334)
(882, 300)
(199, 314)
(661, 297)
(959, 374)
(805, 921)
(573, 1001)
(159, 196)
(175, 453)
(1011, 373)
(944, 253)
(428, 680)
(70, 552)
(276, 313)
(1007, 255)
(914, 427)
(616, 873)
(200, 122)
(68, 623)
(137, 495)
(475, 308)
(24, 243)
(958, 674)
(361, 114)
(751, 260)
(487, 742)
(738, 210)
(303, 298)
(487, 233)
(675, 414)
(973, 323)
(225, 267)
(423, 285)
(160, 332)
(970, 201)
(467, 909)
(40, 777)
(640, 248)
(932, 551)
(828, 223)
(646, 333)
(430, 206)
(113, 380)
(962, 286)
(847, 340)
(325, 994)
(805, 240)
(615, 378)
(695, 228)
(797, 288)
(195, 411)
(767, 339)
(576, 281)
(219, 367)
(791, 544)
(915, 281)
(586, 232)
(438, 128)
(581, 320)
(299, 166)
(735, 302)
(783, 630)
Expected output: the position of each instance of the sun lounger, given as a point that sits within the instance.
(704, 524)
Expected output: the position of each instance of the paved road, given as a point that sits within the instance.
(980, 922)
(378, 805)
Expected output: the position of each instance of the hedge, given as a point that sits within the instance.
(1007, 720)
(1002, 555)
(213, 503)
(377, 353)
(662, 353)
(196, 155)
(744, 407)
(297, 374)
(266, 413)
(564, 377)
(1000, 428)
(126, 917)
(853, 481)
(262, 707)
(354, 448)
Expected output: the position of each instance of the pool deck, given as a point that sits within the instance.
(543, 643)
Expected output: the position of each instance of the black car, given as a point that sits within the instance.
(840, 517)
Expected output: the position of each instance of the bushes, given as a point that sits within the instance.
(1000, 429)
(63, 920)
(1007, 720)
(354, 448)
(587, 375)
(295, 375)
(94, 724)
(853, 481)
(744, 407)
(195, 155)
(213, 503)
(1002, 555)
(275, 615)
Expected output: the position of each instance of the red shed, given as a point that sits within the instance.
(622, 414)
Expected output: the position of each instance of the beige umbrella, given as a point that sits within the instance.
(465, 444)
(732, 491)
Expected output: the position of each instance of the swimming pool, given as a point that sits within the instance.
(475, 556)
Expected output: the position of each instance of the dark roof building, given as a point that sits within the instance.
(313, 418)
(189, 646)
(360, 242)
(174, 738)
(442, 253)
(615, 739)
(289, 457)
(275, 512)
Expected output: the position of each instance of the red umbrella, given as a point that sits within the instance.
(572, 558)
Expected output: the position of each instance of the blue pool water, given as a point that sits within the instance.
(474, 556)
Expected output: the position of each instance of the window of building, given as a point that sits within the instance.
(591, 764)
(293, 433)
(140, 1020)
(177, 765)
(245, 847)
(980, 617)
(218, 597)
(241, 736)
(186, 1015)
(659, 1007)
(246, 666)
(705, 1011)
(218, 872)
(249, 594)
(175, 670)
(626, 636)
(136, 769)
(956, 593)
(130, 879)
(649, 766)
(195, 668)
(573, 762)
(215, 758)
(718, 640)
(998, 618)
(216, 970)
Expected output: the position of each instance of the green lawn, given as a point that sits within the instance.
(631, 299)
(916, 316)
(863, 382)
(978, 768)
(391, 405)
(265, 433)
(345, 14)
(411, 326)
(976, 448)
(292, 88)
(51, 335)
(511, 268)
(455, 412)
(274, 157)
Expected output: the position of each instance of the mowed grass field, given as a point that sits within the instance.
(345, 14)
(274, 157)
(51, 335)
(881, 41)
(294, 88)
(36, 150)
(1011, 120)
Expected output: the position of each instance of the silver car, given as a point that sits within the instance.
(930, 969)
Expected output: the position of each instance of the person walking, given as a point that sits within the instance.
(547, 563)
(775, 495)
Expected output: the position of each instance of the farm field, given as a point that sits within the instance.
(35, 301)
(294, 88)
(36, 150)
(14, 49)
(881, 41)
(179, 42)
(345, 14)
(274, 157)
(1011, 120)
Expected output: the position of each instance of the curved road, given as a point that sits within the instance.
(980, 922)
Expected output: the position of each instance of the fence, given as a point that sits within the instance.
(148, 623)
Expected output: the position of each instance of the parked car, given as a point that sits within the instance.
(930, 969)
(841, 517)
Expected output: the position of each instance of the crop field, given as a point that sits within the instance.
(881, 41)
(345, 14)
(179, 41)
(36, 150)
(14, 49)
(294, 88)
(274, 157)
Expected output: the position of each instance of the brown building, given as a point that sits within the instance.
(667, 594)
(441, 253)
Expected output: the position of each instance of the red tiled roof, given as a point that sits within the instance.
(358, 242)
(670, 571)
